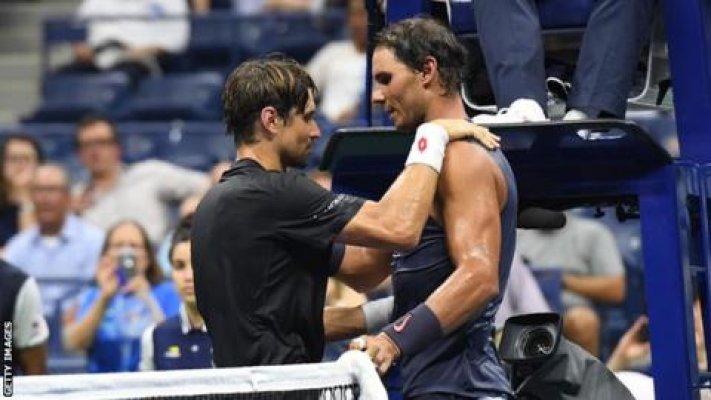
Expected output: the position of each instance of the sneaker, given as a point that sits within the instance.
(577, 115)
(558, 87)
(521, 110)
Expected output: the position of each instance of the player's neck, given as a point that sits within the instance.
(261, 153)
(446, 107)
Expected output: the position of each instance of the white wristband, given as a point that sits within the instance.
(377, 313)
(428, 147)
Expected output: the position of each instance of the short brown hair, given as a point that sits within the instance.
(274, 80)
(414, 39)
(93, 119)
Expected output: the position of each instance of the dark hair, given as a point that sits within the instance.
(21, 137)
(93, 119)
(154, 274)
(181, 234)
(273, 80)
(414, 39)
(18, 137)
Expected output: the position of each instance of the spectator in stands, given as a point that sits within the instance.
(266, 6)
(135, 36)
(21, 154)
(510, 37)
(129, 295)
(180, 342)
(593, 272)
(206, 6)
(145, 191)
(61, 250)
(338, 69)
(633, 353)
(20, 303)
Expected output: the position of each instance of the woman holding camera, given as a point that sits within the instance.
(130, 294)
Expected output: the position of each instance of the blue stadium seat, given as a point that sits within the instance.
(67, 97)
(58, 143)
(197, 145)
(142, 140)
(188, 96)
(211, 46)
(296, 35)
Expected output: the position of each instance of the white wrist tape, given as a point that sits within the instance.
(428, 147)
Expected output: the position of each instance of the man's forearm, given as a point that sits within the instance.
(33, 360)
(343, 322)
(597, 288)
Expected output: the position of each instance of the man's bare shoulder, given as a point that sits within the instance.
(467, 156)
(470, 168)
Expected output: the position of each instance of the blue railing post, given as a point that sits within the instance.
(665, 230)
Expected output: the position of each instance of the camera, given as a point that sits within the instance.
(127, 264)
(545, 365)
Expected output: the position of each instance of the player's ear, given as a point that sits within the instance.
(429, 70)
(270, 119)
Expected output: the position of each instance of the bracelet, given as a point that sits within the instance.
(428, 147)
(415, 330)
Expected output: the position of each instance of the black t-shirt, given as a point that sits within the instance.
(262, 243)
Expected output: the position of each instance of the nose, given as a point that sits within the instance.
(315, 131)
(377, 96)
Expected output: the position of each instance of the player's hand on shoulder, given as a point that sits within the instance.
(458, 128)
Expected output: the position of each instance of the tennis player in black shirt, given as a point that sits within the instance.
(265, 239)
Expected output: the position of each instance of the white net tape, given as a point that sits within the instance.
(352, 368)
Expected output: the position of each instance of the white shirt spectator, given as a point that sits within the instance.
(338, 70)
(146, 192)
(250, 7)
(148, 28)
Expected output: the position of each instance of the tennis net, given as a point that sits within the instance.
(352, 377)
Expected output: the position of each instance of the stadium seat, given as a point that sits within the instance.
(296, 35)
(197, 145)
(188, 96)
(211, 45)
(142, 140)
(67, 97)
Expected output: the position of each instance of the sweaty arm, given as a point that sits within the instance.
(397, 220)
(472, 192)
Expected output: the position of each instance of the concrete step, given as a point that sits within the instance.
(21, 22)
(19, 74)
